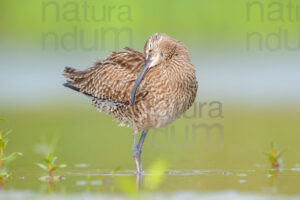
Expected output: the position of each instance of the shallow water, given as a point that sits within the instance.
(200, 166)
(86, 183)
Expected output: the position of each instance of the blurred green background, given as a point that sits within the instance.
(200, 24)
(255, 78)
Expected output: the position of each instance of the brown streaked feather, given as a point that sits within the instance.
(109, 79)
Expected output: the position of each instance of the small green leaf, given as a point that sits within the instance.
(53, 160)
(49, 157)
(47, 161)
(5, 142)
(44, 167)
(7, 133)
(11, 157)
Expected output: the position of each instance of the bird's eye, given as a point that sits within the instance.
(162, 54)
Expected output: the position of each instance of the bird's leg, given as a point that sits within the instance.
(137, 151)
(141, 141)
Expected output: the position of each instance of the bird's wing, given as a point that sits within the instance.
(111, 79)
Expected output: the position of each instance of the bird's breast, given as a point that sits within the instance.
(167, 100)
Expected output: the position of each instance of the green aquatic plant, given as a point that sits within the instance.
(274, 156)
(5, 160)
(50, 167)
(157, 171)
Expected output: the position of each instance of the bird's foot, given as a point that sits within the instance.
(139, 172)
(136, 153)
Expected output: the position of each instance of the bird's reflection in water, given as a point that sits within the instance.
(139, 178)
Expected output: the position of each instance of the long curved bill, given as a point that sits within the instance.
(139, 79)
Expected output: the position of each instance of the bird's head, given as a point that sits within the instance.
(159, 50)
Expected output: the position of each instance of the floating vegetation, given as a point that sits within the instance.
(274, 156)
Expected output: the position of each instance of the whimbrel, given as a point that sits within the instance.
(142, 90)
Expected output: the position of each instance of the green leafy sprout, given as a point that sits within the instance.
(50, 166)
(5, 160)
(274, 156)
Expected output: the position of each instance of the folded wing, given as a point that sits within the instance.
(111, 79)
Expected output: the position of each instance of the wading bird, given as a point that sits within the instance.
(142, 90)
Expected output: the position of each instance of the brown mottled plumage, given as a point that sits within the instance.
(165, 91)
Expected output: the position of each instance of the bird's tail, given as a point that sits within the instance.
(68, 85)
(76, 79)
(74, 74)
